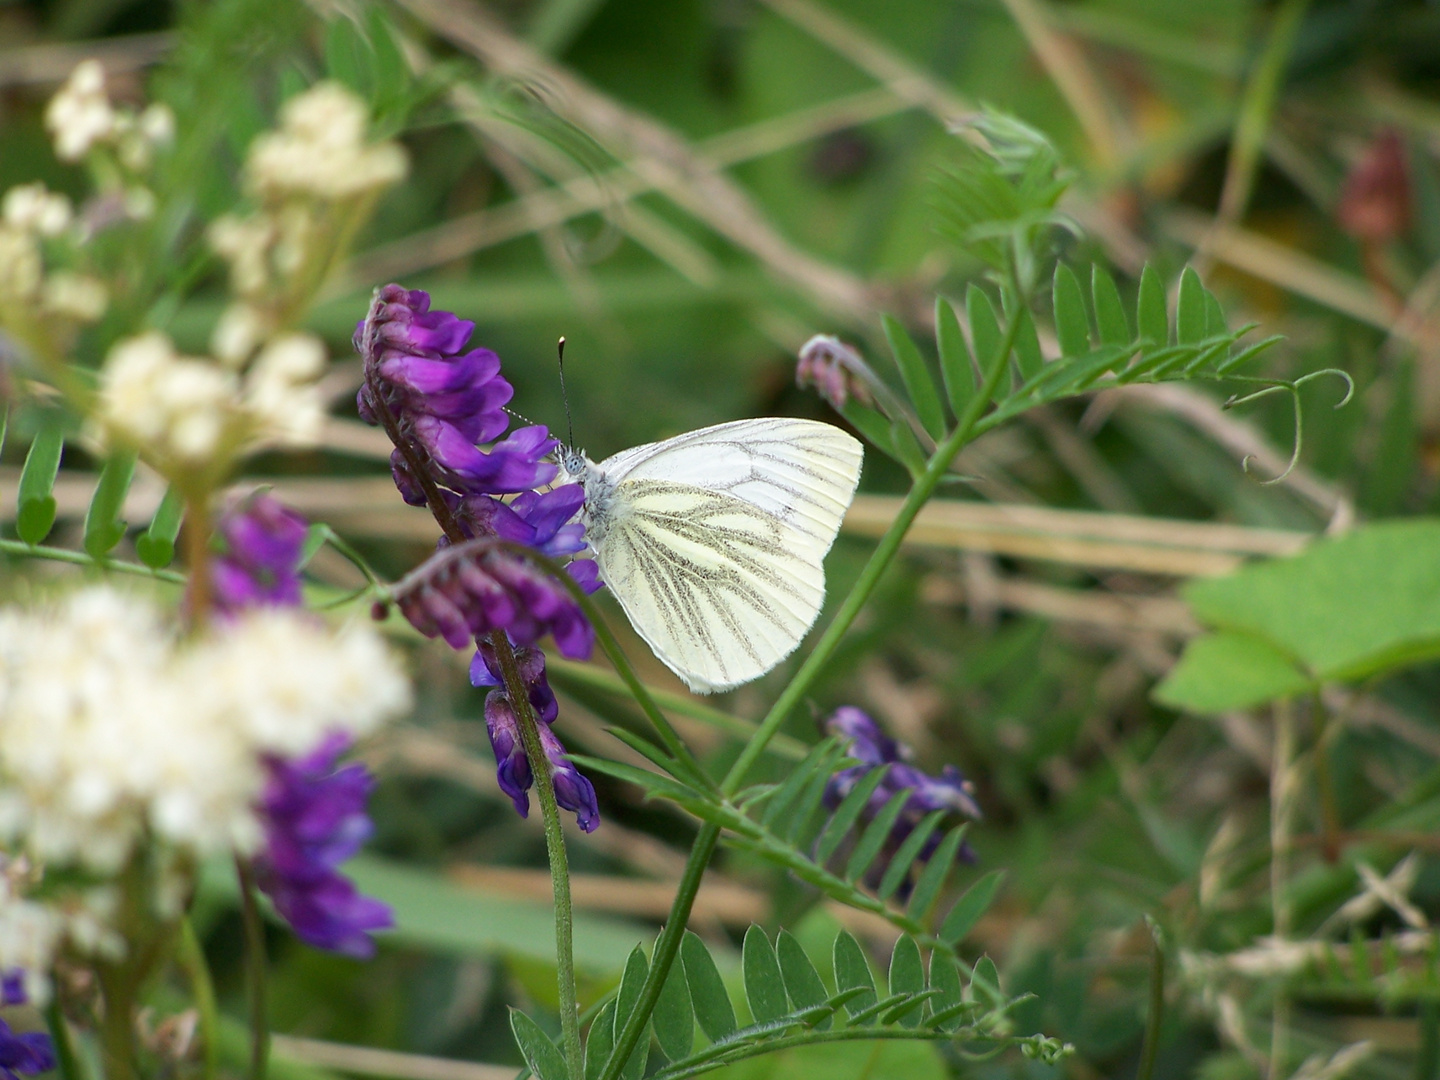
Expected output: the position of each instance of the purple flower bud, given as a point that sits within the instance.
(485, 671)
(475, 588)
(12, 987)
(314, 818)
(573, 791)
(27, 1053)
(512, 767)
(264, 541)
(835, 370)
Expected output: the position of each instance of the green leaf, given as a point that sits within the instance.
(1109, 311)
(956, 367)
(764, 985)
(37, 482)
(392, 73)
(600, 1041)
(802, 981)
(631, 983)
(945, 977)
(907, 447)
(852, 972)
(156, 547)
(875, 836)
(821, 759)
(103, 527)
(934, 874)
(674, 1018)
(899, 868)
(1230, 670)
(847, 813)
(907, 974)
(972, 904)
(1027, 343)
(806, 814)
(1345, 609)
(873, 426)
(985, 330)
(1150, 310)
(713, 1010)
(1190, 309)
(1214, 317)
(540, 1053)
(985, 980)
(1072, 321)
(918, 383)
(348, 58)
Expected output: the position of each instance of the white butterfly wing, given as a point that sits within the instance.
(713, 541)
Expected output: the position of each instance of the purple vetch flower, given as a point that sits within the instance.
(950, 792)
(445, 402)
(835, 370)
(440, 403)
(22, 1053)
(314, 819)
(260, 566)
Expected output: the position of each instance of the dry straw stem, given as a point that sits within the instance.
(1089, 607)
(656, 153)
(53, 63)
(368, 1061)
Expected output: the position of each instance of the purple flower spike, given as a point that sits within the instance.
(445, 402)
(949, 792)
(512, 767)
(264, 541)
(26, 1053)
(485, 671)
(314, 818)
(573, 791)
(472, 589)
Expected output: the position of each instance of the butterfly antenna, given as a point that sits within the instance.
(569, 423)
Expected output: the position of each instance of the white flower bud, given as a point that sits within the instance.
(79, 116)
(33, 208)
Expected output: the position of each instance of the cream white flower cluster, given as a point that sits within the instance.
(189, 413)
(112, 729)
(81, 119)
(30, 216)
(309, 178)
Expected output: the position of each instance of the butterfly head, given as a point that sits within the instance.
(574, 463)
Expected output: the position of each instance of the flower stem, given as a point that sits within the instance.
(197, 555)
(1324, 782)
(924, 487)
(1156, 1014)
(66, 1063)
(519, 696)
(117, 1027)
(81, 558)
(255, 972)
(192, 959)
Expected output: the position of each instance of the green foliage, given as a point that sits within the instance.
(1345, 610)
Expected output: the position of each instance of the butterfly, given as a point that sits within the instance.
(713, 541)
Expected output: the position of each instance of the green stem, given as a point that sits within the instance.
(117, 1028)
(66, 1062)
(1324, 782)
(519, 695)
(880, 559)
(935, 470)
(192, 959)
(254, 972)
(1157, 1008)
(80, 558)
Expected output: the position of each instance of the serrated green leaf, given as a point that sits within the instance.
(873, 839)
(1072, 321)
(713, 1010)
(764, 985)
(852, 972)
(103, 527)
(907, 974)
(918, 384)
(631, 983)
(802, 981)
(934, 874)
(37, 482)
(971, 905)
(899, 868)
(540, 1053)
(1190, 309)
(955, 364)
(600, 1042)
(1151, 317)
(945, 977)
(847, 813)
(156, 546)
(674, 1017)
(1109, 311)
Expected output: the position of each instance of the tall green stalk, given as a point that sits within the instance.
(938, 465)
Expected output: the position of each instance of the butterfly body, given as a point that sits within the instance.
(713, 541)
